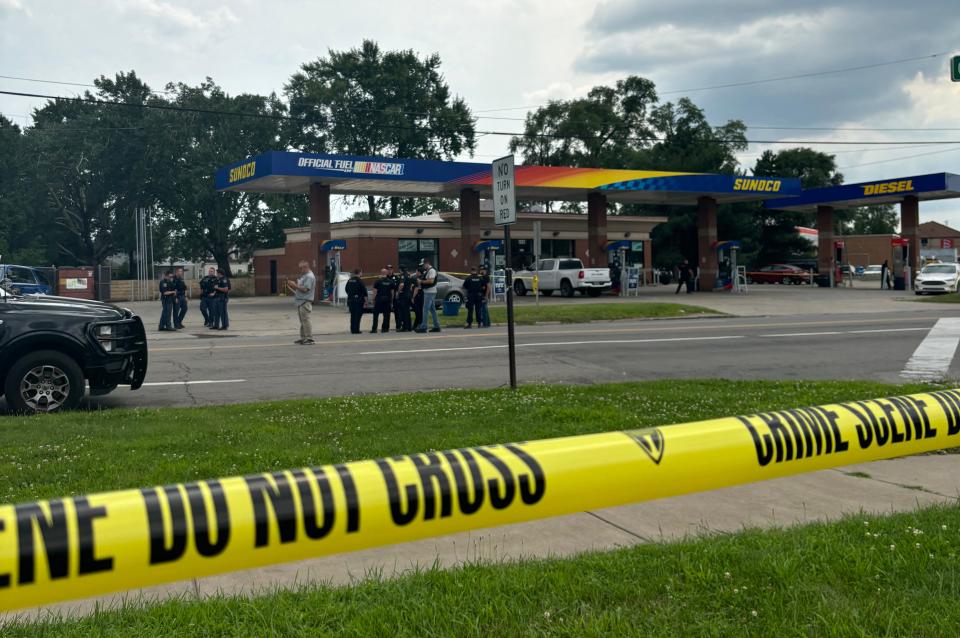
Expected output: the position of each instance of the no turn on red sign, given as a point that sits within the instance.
(504, 191)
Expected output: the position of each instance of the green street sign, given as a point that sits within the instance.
(955, 68)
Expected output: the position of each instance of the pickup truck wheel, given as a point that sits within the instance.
(44, 381)
(519, 288)
(593, 292)
(566, 290)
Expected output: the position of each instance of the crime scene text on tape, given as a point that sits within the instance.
(77, 547)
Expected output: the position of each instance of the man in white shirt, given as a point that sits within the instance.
(428, 284)
(303, 293)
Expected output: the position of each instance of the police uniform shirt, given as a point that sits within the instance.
(355, 289)
(473, 285)
(408, 284)
(223, 282)
(165, 287)
(485, 280)
(207, 283)
(383, 286)
(180, 285)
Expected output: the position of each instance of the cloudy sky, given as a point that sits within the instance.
(504, 57)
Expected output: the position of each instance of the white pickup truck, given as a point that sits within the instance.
(565, 274)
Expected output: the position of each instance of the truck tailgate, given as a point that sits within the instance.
(596, 275)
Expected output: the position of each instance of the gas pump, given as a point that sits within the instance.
(727, 264)
(488, 250)
(900, 263)
(330, 250)
(839, 253)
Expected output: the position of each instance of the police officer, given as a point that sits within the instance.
(417, 297)
(180, 310)
(484, 310)
(383, 301)
(206, 288)
(221, 288)
(397, 280)
(473, 286)
(168, 295)
(405, 300)
(356, 300)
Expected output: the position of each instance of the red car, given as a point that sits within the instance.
(779, 274)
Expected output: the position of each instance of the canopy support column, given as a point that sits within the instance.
(319, 221)
(825, 264)
(469, 226)
(706, 242)
(910, 229)
(596, 229)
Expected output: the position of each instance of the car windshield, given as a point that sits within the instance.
(939, 269)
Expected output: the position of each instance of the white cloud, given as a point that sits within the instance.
(166, 14)
(10, 6)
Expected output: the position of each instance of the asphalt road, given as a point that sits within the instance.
(204, 371)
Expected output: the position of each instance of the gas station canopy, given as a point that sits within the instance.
(289, 172)
(888, 191)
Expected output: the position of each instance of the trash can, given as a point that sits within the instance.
(451, 308)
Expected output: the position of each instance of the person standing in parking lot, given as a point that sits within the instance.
(484, 310)
(168, 296)
(221, 320)
(180, 311)
(383, 301)
(885, 275)
(473, 285)
(428, 283)
(356, 300)
(303, 292)
(404, 300)
(206, 296)
(686, 277)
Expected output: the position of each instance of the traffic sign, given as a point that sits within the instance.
(955, 68)
(504, 191)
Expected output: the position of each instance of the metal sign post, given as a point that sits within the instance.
(536, 261)
(504, 214)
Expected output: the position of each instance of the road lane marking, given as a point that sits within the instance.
(199, 382)
(701, 325)
(804, 334)
(931, 360)
(553, 344)
(860, 332)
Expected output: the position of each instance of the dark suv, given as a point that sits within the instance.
(50, 347)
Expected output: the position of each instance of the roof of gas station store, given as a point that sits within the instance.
(885, 191)
(290, 172)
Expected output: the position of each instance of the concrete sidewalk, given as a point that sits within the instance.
(881, 487)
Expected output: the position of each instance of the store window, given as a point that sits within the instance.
(411, 251)
(556, 248)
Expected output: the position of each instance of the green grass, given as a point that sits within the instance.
(830, 579)
(863, 576)
(951, 297)
(83, 452)
(584, 312)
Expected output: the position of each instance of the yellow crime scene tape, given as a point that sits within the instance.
(78, 547)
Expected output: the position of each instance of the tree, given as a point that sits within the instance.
(19, 241)
(95, 165)
(872, 220)
(776, 236)
(207, 222)
(368, 102)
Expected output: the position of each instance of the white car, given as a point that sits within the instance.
(937, 278)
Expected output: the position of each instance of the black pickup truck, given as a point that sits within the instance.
(51, 347)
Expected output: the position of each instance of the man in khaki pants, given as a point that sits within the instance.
(303, 291)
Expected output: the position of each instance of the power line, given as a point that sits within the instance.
(278, 117)
(767, 127)
(897, 159)
(763, 81)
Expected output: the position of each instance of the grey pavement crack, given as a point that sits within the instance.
(916, 488)
(186, 385)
